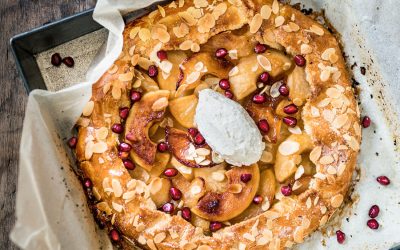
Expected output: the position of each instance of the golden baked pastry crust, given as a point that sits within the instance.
(330, 116)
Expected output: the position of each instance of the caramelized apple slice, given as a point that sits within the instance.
(198, 65)
(298, 85)
(140, 119)
(159, 190)
(245, 82)
(288, 153)
(266, 190)
(259, 112)
(183, 109)
(215, 176)
(186, 172)
(169, 83)
(182, 148)
(224, 206)
(191, 191)
(230, 41)
(160, 164)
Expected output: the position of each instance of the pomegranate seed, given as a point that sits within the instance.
(290, 109)
(366, 122)
(257, 199)
(246, 177)
(114, 235)
(186, 213)
(263, 125)
(374, 211)
(340, 236)
(136, 96)
(260, 48)
(56, 59)
(373, 224)
(117, 128)
(124, 112)
(221, 53)
(229, 94)
(286, 190)
(162, 147)
(168, 208)
(162, 55)
(87, 183)
(290, 121)
(125, 147)
(224, 84)
(215, 226)
(264, 77)
(284, 90)
(68, 61)
(175, 193)
(193, 131)
(72, 142)
(152, 71)
(259, 98)
(129, 164)
(123, 155)
(383, 180)
(299, 60)
(170, 172)
(199, 139)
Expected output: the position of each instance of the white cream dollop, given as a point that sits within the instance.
(228, 129)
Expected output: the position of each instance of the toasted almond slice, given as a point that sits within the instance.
(288, 147)
(305, 49)
(134, 31)
(275, 7)
(113, 69)
(144, 34)
(117, 188)
(101, 133)
(186, 45)
(255, 23)
(88, 109)
(265, 12)
(317, 30)
(264, 62)
(337, 200)
(279, 21)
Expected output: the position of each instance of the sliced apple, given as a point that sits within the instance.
(199, 65)
(224, 206)
(183, 109)
(215, 176)
(186, 172)
(182, 148)
(192, 191)
(285, 165)
(266, 190)
(141, 118)
(159, 190)
(230, 41)
(261, 111)
(169, 83)
(160, 164)
(245, 81)
(298, 85)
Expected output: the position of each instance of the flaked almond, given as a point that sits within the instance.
(188, 18)
(158, 33)
(117, 207)
(132, 50)
(289, 147)
(327, 159)
(234, 71)
(305, 49)
(218, 176)
(134, 31)
(181, 30)
(298, 234)
(106, 87)
(117, 188)
(151, 245)
(129, 195)
(249, 237)
(320, 176)
(193, 77)
(337, 200)
(135, 60)
(340, 121)
(203, 151)
(265, 12)
(275, 7)
(99, 147)
(323, 220)
(101, 133)
(317, 30)
(89, 150)
(314, 112)
(206, 23)
(144, 63)
(144, 34)
(181, 3)
(186, 45)
(158, 238)
(325, 75)
(219, 10)
(279, 21)
(331, 170)
(264, 62)
(266, 204)
(255, 23)
(88, 109)
(326, 54)
(266, 157)
(333, 93)
(116, 92)
(262, 241)
(161, 10)
(299, 172)
(195, 47)
(294, 27)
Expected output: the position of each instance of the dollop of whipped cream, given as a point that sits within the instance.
(228, 129)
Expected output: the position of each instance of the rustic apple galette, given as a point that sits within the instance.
(222, 125)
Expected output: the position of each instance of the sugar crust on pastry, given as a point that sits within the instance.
(331, 131)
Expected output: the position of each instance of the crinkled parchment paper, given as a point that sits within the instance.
(51, 208)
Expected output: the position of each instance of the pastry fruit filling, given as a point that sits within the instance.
(213, 160)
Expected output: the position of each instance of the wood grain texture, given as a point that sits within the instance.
(17, 16)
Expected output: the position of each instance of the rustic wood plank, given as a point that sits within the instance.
(17, 17)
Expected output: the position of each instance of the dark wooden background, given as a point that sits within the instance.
(17, 16)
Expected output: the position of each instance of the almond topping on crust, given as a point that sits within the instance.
(305, 49)
(298, 235)
(289, 147)
(116, 92)
(88, 109)
(186, 45)
(255, 23)
(113, 69)
(219, 10)
(249, 237)
(117, 188)
(265, 12)
(327, 159)
(235, 188)
(161, 10)
(264, 62)
(337, 200)
(99, 147)
(144, 34)
(101, 133)
(117, 207)
(275, 7)
(181, 30)
(158, 238)
(206, 23)
(279, 21)
(317, 30)
(299, 172)
(134, 31)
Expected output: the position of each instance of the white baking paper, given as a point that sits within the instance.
(51, 209)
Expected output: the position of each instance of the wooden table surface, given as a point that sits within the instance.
(16, 17)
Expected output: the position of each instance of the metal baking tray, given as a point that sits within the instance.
(26, 46)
